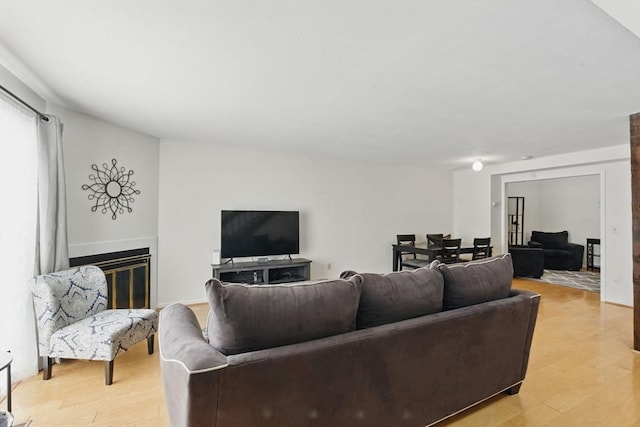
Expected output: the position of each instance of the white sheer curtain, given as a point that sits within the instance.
(18, 217)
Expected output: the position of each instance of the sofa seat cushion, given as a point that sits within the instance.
(558, 253)
(103, 335)
(245, 318)
(477, 281)
(400, 295)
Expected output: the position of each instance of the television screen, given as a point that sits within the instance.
(259, 233)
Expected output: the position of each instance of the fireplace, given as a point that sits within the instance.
(127, 274)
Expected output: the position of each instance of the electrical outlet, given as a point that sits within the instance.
(328, 266)
(614, 229)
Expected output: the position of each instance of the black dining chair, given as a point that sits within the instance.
(450, 251)
(481, 247)
(409, 259)
(436, 239)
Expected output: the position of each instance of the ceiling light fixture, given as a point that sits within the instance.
(477, 165)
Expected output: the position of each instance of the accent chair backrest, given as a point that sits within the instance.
(554, 240)
(65, 297)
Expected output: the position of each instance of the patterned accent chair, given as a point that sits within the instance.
(74, 323)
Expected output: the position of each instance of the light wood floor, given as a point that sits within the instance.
(582, 371)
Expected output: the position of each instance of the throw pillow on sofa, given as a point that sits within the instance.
(246, 318)
(477, 281)
(391, 297)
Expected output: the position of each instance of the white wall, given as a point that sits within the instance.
(88, 140)
(474, 213)
(571, 204)
(18, 88)
(350, 211)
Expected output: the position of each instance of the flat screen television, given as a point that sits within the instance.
(259, 233)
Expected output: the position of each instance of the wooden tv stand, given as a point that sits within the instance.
(264, 272)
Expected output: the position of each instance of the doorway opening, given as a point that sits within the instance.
(553, 204)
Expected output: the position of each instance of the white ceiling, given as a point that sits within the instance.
(424, 83)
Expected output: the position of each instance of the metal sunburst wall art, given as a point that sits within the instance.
(112, 189)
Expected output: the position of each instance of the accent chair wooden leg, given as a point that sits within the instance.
(150, 344)
(108, 372)
(47, 363)
(514, 390)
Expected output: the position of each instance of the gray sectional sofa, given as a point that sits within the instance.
(408, 348)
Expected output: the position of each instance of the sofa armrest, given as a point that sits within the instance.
(191, 369)
(535, 305)
(534, 244)
(575, 248)
(182, 341)
(577, 252)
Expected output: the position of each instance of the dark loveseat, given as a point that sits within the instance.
(559, 254)
(407, 348)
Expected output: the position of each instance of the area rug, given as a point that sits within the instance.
(585, 280)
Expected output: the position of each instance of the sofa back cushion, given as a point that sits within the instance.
(245, 318)
(556, 240)
(477, 281)
(400, 295)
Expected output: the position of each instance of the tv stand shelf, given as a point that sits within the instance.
(265, 272)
